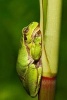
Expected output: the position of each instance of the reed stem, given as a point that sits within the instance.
(50, 15)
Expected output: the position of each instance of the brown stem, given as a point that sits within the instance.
(47, 89)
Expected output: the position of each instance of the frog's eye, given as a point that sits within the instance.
(38, 34)
(25, 31)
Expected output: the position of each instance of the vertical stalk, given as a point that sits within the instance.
(50, 15)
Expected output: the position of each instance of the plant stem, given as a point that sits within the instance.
(50, 15)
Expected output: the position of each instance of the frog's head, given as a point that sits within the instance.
(29, 31)
(32, 39)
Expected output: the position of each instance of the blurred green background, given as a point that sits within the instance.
(14, 15)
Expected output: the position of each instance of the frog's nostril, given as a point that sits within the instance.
(26, 29)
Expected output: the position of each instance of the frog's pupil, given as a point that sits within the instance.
(38, 33)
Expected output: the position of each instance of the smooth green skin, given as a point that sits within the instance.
(29, 74)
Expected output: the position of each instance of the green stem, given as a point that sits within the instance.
(50, 15)
(43, 14)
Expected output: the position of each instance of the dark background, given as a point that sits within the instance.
(14, 15)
